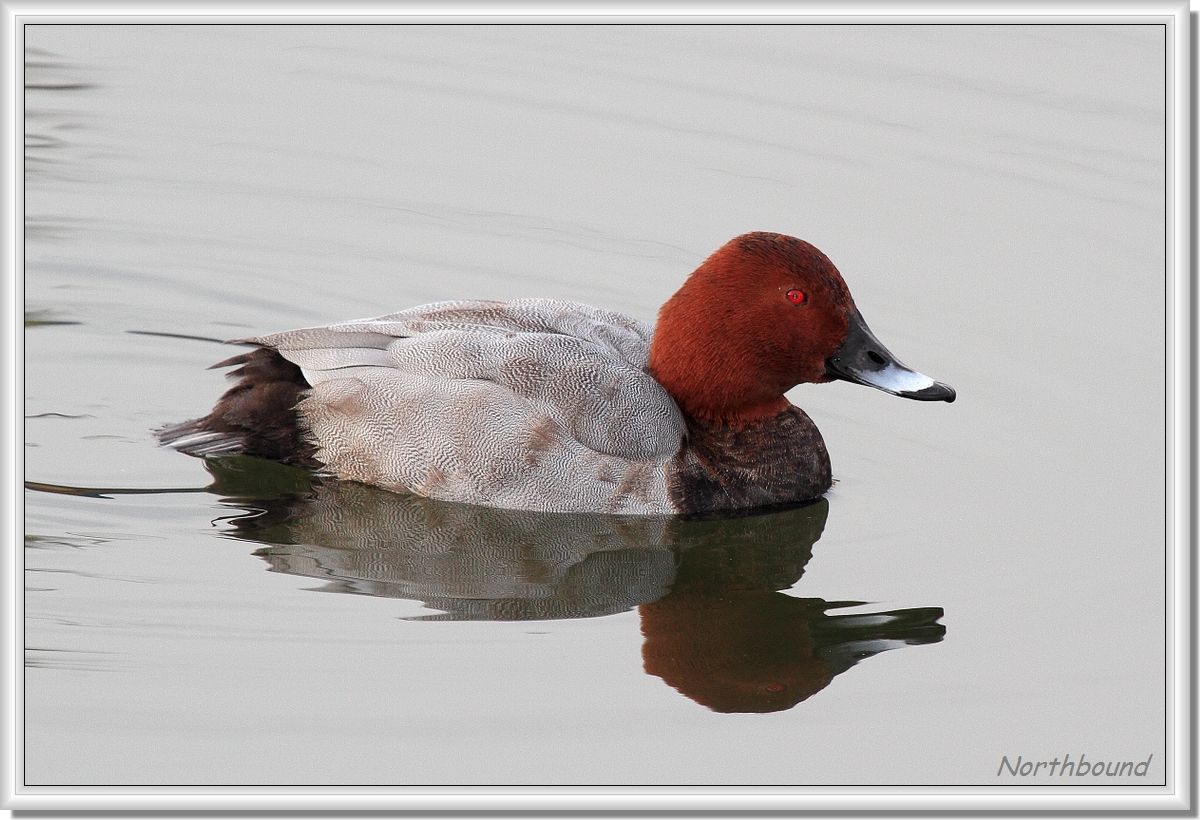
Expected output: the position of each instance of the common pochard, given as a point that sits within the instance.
(557, 406)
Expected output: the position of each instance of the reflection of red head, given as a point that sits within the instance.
(741, 652)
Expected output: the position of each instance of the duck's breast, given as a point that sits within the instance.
(530, 404)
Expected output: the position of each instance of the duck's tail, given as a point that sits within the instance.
(256, 417)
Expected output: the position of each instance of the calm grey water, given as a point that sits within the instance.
(993, 196)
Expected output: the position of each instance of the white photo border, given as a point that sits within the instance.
(1178, 795)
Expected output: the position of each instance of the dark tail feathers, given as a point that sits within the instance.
(256, 417)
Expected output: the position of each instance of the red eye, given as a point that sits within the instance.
(796, 297)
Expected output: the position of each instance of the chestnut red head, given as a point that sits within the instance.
(764, 313)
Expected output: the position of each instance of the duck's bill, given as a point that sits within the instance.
(862, 359)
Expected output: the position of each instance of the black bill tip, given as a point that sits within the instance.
(935, 392)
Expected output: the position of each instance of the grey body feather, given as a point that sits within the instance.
(532, 404)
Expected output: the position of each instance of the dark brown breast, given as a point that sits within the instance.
(782, 460)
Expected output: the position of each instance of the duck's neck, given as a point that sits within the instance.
(714, 375)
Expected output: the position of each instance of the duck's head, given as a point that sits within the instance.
(764, 313)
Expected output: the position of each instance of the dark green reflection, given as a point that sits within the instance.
(716, 625)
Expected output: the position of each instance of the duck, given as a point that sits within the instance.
(556, 406)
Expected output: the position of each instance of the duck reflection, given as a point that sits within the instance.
(715, 623)
(726, 637)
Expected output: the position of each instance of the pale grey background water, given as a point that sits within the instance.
(992, 194)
